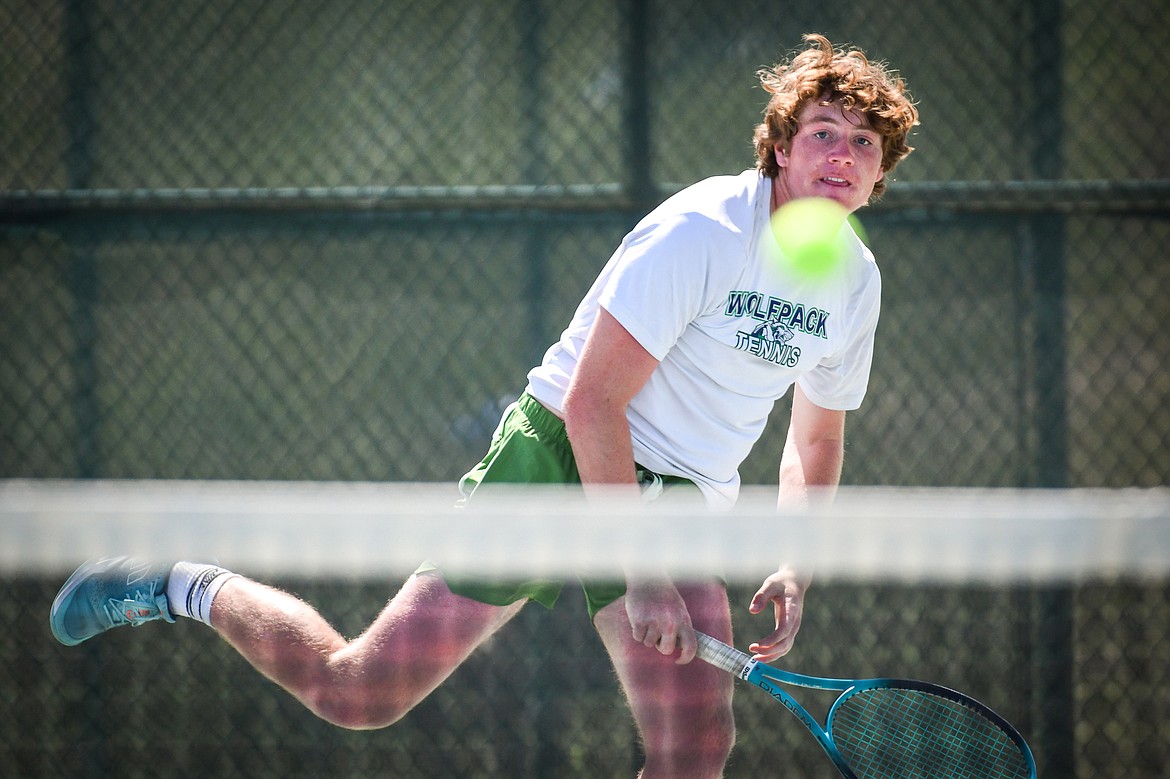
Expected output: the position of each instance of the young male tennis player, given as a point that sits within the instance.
(665, 375)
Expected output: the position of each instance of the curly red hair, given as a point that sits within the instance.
(827, 74)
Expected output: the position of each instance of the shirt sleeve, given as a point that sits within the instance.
(840, 381)
(662, 280)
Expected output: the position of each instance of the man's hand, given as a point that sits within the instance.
(785, 591)
(659, 618)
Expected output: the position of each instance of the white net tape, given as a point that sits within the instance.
(388, 529)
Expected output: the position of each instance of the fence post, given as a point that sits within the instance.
(638, 179)
(639, 182)
(536, 171)
(1053, 612)
(79, 119)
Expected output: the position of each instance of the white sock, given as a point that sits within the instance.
(192, 588)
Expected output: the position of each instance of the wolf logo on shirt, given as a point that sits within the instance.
(769, 341)
(774, 331)
(780, 320)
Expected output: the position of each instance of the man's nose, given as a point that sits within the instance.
(841, 153)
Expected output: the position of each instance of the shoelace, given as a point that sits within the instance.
(139, 608)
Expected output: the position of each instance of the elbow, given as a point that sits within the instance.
(579, 411)
(814, 464)
(589, 410)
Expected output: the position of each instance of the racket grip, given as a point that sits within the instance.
(720, 655)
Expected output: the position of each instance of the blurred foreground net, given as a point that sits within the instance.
(1051, 606)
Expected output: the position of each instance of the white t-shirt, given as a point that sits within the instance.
(698, 284)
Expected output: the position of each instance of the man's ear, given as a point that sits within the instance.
(781, 155)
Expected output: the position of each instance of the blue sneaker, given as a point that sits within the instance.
(106, 594)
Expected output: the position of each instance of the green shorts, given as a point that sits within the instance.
(530, 446)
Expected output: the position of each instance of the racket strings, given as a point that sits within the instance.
(889, 732)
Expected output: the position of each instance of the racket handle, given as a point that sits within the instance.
(720, 655)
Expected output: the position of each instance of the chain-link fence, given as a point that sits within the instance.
(275, 239)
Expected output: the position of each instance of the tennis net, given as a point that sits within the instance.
(1051, 606)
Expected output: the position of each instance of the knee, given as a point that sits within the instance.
(698, 746)
(353, 708)
(712, 745)
(357, 695)
(720, 737)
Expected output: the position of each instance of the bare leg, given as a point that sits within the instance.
(424, 633)
(683, 712)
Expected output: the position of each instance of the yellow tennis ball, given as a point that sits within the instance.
(808, 232)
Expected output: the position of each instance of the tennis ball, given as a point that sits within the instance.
(808, 231)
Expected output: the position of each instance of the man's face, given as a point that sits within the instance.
(835, 154)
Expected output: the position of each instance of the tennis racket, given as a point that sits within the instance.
(893, 728)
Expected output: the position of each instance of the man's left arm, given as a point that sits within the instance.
(810, 469)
